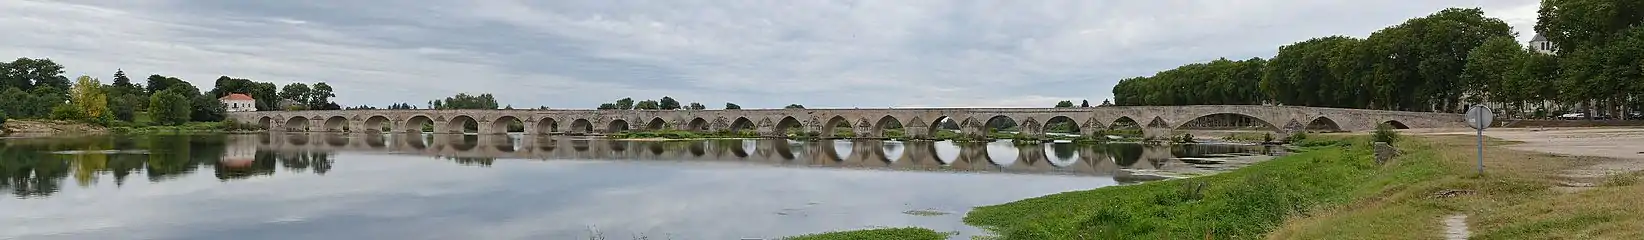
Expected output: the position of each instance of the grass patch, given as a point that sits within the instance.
(1242, 204)
(1514, 199)
(910, 233)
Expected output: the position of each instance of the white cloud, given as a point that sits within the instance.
(575, 54)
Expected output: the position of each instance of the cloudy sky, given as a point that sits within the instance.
(760, 54)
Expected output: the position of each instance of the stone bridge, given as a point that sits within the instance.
(858, 153)
(918, 123)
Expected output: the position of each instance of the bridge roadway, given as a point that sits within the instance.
(912, 155)
(1155, 121)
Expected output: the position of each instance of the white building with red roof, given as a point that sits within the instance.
(239, 102)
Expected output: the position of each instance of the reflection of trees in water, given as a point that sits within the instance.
(31, 169)
(1064, 151)
(472, 161)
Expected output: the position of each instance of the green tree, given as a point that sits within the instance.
(467, 101)
(28, 74)
(207, 109)
(648, 105)
(668, 103)
(1084, 103)
(1487, 69)
(124, 107)
(607, 106)
(88, 96)
(697, 106)
(625, 103)
(1064, 104)
(1574, 25)
(296, 92)
(157, 83)
(122, 85)
(730, 106)
(169, 108)
(320, 96)
(794, 106)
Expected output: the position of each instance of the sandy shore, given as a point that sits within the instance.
(1622, 147)
(1618, 143)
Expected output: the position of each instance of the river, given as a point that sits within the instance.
(335, 186)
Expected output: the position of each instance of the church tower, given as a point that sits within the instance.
(1541, 45)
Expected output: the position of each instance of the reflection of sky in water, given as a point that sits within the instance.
(893, 149)
(1003, 153)
(842, 148)
(1062, 154)
(947, 151)
(412, 197)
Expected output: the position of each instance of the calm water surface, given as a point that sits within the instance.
(313, 186)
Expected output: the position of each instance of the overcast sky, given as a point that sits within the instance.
(759, 54)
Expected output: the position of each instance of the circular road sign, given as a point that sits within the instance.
(1479, 117)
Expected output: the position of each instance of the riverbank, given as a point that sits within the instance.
(47, 128)
(32, 128)
(1334, 189)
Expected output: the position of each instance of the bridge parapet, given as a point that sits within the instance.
(1155, 121)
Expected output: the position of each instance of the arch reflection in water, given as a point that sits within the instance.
(1001, 156)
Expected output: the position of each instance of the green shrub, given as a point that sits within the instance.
(2, 119)
(168, 108)
(1267, 137)
(1384, 133)
(67, 112)
(1298, 137)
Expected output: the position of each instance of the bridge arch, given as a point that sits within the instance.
(297, 123)
(506, 124)
(882, 127)
(461, 124)
(1396, 124)
(741, 124)
(581, 126)
(788, 125)
(616, 126)
(943, 123)
(266, 123)
(546, 126)
(1323, 124)
(656, 124)
(336, 124)
(1061, 124)
(1225, 121)
(1001, 124)
(416, 124)
(698, 124)
(377, 124)
(829, 129)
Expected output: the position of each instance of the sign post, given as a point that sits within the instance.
(1479, 117)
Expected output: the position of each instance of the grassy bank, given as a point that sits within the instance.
(882, 233)
(1243, 204)
(1332, 189)
(190, 127)
(1518, 198)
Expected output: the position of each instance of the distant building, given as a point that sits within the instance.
(237, 102)
(1540, 44)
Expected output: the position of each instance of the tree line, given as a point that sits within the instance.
(1440, 62)
(667, 103)
(36, 89)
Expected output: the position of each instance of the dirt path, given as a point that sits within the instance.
(1455, 227)
(1624, 145)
